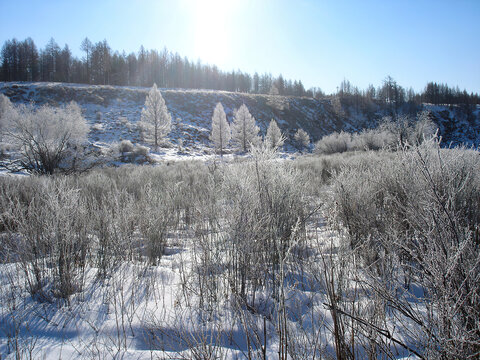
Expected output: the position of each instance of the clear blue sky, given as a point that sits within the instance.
(319, 42)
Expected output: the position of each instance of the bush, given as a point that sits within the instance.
(125, 146)
(265, 204)
(413, 219)
(334, 143)
(97, 127)
(141, 151)
(391, 133)
(48, 138)
(374, 139)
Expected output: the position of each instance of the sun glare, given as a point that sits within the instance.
(212, 30)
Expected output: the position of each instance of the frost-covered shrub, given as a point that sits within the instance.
(141, 150)
(265, 211)
(49, 237)
(97, 127)
(123, 120)
(47, 138)
(418, 212)
(125, 146)
(373, 139)
(333, 143)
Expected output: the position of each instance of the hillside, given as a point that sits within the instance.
(114, 111)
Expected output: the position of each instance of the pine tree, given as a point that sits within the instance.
(221, 132)
(274, 138)
(156, 121)
(244, 130)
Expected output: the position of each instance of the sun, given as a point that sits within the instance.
(212, 19)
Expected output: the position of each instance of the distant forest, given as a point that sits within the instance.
(22, 61)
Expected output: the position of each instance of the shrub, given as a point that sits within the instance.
(334, 143)
(142, 151)
(125, 146)
(48, 138)
(97, 127)
(413, 218)
(265, 203)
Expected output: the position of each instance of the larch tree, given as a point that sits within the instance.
(302, 139)
(221, 132)
(87, 46)
(274, 138)
(244, 130)
(156, 120)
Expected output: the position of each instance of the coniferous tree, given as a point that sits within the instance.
(302, 138)
(221, 132)
(155, 120)
(274, 137)
(87, 46)
(244, 129)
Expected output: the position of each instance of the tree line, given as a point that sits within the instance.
(100, 65)
(396, 99)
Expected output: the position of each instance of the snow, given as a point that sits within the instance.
(144, 312)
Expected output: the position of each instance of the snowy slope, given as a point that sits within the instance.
(113, 112)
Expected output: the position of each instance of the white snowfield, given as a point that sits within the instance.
(145, 312)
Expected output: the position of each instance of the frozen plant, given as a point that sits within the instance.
(221, 133)
(274, 137)
(46, 137)
(333, 143)
(156, 120)
(244, 130)
(97, 127)
(302, 138)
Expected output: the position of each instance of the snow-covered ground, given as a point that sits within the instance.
(145, 312)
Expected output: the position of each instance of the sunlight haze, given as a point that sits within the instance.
(318, 42)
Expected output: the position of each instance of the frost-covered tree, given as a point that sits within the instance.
(5, 108)
(274, 138)
(244, 130)
(423, 129)
(221, 132)
(155, 120)
(302, 139)
(47, 138)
